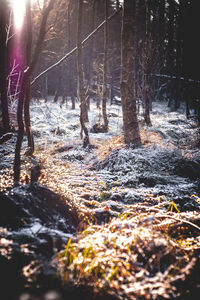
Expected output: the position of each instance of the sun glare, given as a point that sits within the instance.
(19, 11)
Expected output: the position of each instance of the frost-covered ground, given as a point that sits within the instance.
(137, 210)
(167, 164)
(56, 122)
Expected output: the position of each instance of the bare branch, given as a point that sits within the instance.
(66, 56)
(41, 36)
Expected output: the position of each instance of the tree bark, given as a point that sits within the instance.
(27, 121)
(148, 53)
(130, 121)
(161, 45)
(161, 34)
(170, 58)
(46, 88)
(3, 65)
(179, 56)
(91, 53)
(71, 69)
(81, 92)
(105, 119)
(112, 88)
(17, 159)
(25, 92)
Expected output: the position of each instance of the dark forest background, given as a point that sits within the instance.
(173, 53)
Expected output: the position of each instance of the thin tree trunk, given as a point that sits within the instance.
(71, 87)
(91, 53)
(27, 118)
(170, 49)
(29, 132)
(161, 46)
(58, 84)
(130, 121)
(81, 92)
(17, 160)
(105, 119)
(148, 47)
(26, 92)
(46, 88)
(143, 91)
(112, 88)
(187, 96)
(67, 55)
(140, 36)
(56, 96)
(41, 36)
(179, 56)
(3, 66)
(64, 97)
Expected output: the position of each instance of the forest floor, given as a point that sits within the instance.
(128, 226)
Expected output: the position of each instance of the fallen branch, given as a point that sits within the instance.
(4, 138)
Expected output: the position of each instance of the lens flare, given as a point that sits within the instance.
(19, 12)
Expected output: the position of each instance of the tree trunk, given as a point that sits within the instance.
(46, 88)
(148, 53)
(105, 119)
(17, 159)
(140, 35)
(179, 56)
(161, 45)
(112, 88)
(29, 132)
(3, 66)
(58, 84)
(130, 121)
(28, 127)
(161, 34)
(81, 92)
(67, 55)
(71, 69)
(91, 53)
(25, 91)
(170, 59)
(55, 99)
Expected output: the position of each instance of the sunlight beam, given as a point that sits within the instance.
(19, 12)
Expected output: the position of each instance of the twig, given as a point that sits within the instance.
(167, 216)
(179, 220)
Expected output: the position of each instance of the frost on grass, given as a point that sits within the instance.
(136, 208)
(131, 257)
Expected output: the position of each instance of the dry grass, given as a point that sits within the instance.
(141, 254)
(53, 169)
(148, 139)
(105, 148)
(131, 257)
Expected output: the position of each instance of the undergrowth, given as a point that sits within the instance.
(135, 256)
